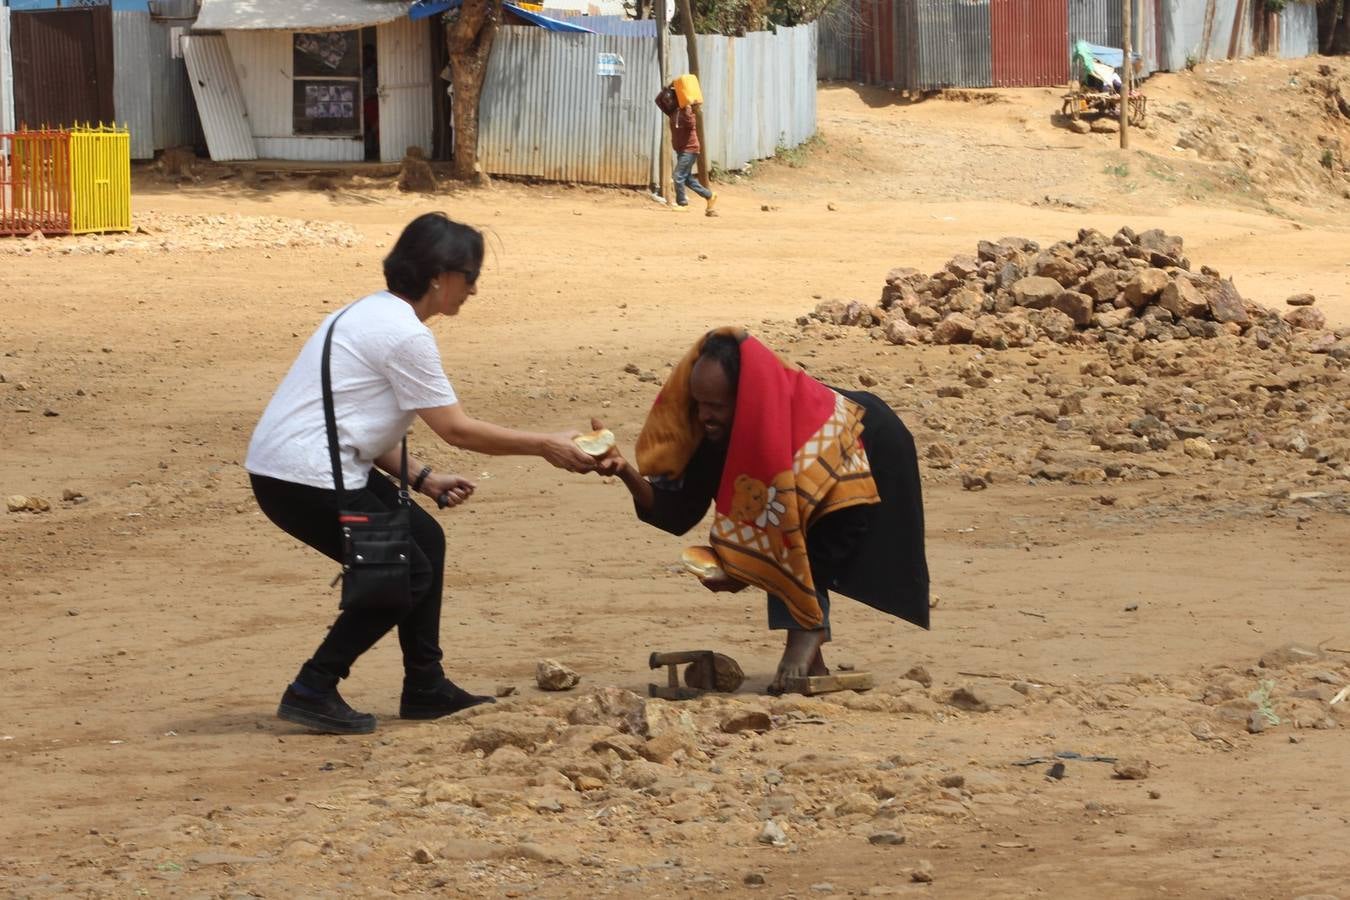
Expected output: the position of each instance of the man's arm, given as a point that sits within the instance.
(674, 509)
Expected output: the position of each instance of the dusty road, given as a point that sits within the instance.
(153, 627)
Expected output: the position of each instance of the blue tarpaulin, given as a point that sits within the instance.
(425, 9)
(1112, 56)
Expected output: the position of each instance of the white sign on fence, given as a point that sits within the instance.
(608, 64)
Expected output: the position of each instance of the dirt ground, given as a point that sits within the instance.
(154, 623)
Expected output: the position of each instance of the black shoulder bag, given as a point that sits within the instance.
(376, 546)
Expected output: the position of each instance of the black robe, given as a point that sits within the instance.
(872, 553)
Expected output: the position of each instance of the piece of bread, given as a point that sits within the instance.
(703, 562)
(595, 443)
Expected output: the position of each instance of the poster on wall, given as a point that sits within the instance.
(327, 54)
(327, 107)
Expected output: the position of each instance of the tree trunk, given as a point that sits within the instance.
(1328, 12)
(469, 42)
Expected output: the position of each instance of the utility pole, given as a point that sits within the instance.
(663, 60)
(1126, 74)
(691, 44)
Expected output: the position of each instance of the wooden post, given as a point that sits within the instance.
(663, 60)
(1126, 74)
(691, 45)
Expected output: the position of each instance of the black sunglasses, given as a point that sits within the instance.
(470, 276)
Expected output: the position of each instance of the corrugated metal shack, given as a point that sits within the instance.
(578, 107)
(149, 91)
(338, 81)
(929, 44)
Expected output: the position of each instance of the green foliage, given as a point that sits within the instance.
(736, 17)
(1276, 6)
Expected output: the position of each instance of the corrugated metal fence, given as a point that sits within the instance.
(932, 44)
(758, 90)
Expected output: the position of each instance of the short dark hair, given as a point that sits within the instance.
(429, 246)
(725, 350)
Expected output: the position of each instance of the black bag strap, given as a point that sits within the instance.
(330, 421)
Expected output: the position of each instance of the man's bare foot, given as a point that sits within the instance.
(800, 656)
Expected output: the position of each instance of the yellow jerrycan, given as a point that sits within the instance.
(687, 90)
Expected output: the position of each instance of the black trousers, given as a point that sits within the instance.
(310, 514)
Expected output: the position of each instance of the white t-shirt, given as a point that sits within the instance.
(385, 366)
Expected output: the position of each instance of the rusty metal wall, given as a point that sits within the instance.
(1030, 42)
(954, 46)
(63, 66)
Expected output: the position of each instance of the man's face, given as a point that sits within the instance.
(714, 399)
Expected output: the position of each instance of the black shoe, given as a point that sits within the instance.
(328, 714)
(445, 699)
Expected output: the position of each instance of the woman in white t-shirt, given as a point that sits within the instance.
(386, 370)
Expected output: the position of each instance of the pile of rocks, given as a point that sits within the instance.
(1012, 293)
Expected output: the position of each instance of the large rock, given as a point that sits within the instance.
(1158, 240)
(1102, 284)
(985, 697)
(552, 675)
(965, 300)
(1055, 325)
(1226, 304)
(624, 711)
(957, 328)
(1306, 318)
(963, 267)
(1183, 299)
(989, 332)
(1036, 291)
(898, 331)
(901, 295)
(1064, 270)
(1301, 300)
(1114, 318)
(1145, 287)
(1078, 307)
(663, 717)
(923, 315)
